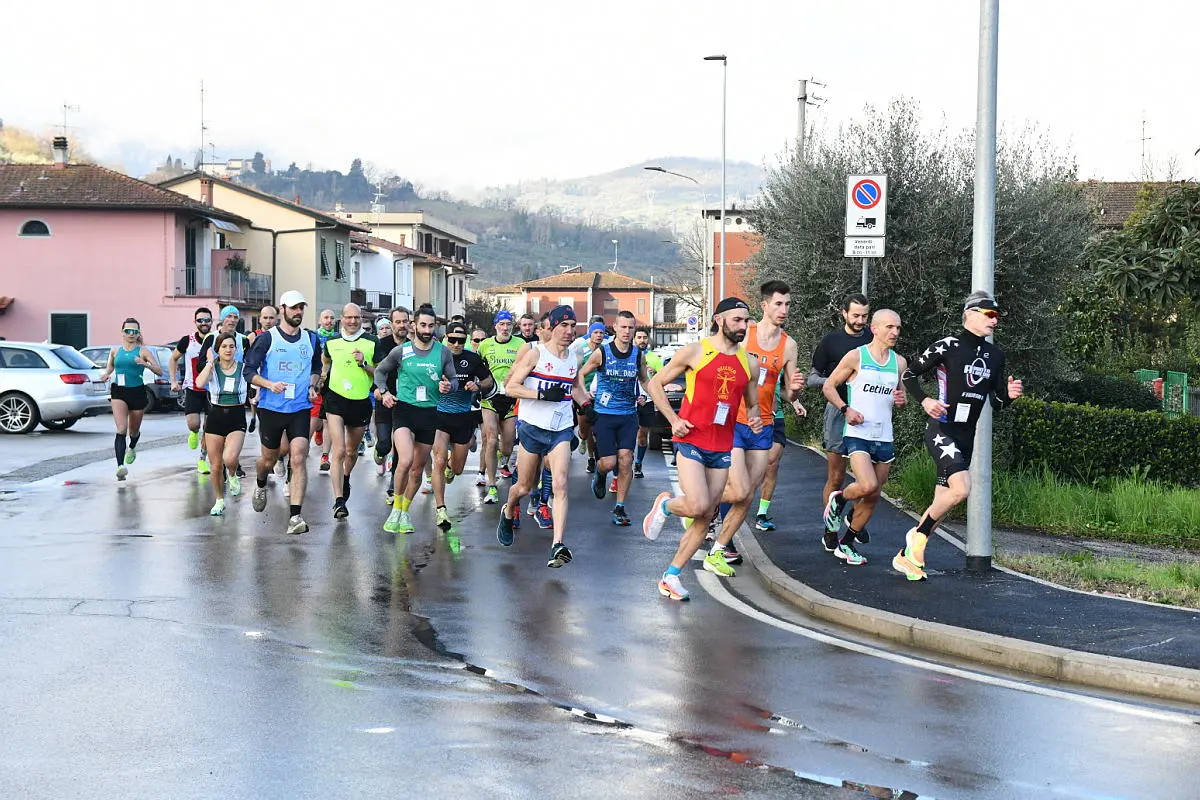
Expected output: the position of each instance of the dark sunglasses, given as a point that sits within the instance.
(476, 341)
(203, 320)
(988, 312)
(131, 331)
(456, 339)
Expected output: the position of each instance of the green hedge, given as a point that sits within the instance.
(1108, 392)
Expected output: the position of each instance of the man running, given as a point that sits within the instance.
(763, 521)
(326, 330)
(499, 411)
(775, 353)
(612, 409)
(401, 321)
(457, 416)
(544, 381)
(267, 317)
(348, 370)
(871, 374)
(195, 400)
(719, 377)
(285, 364)
(970, 372)
(583, 348)
(423, 369)
(646, 413)
(539, 503)
(527, 327)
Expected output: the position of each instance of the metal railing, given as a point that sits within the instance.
(235, 286)
(372, 301)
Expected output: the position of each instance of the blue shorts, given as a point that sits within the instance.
(540, 441)
(746, 439)
(615, 432)
(711, 459)
(779, 432)
(880, 452)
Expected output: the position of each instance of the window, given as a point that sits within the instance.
(610, 305)
(668, 312)
(324, 260)
(641, 307)
(35, 227)
(566, 301)
(76, 360)
(535, 305)
(19, 358)
(339, 260)
(69, 329)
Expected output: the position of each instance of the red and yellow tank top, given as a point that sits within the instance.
(770, 362)
(713, 396)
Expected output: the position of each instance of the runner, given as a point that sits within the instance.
(719, 377)
(225, 427)
(326, 330)
(611, 409)
(583, 347)
(128, 393)
(970, 372)
(423, 369)
(457, 416)
(499, 411)
(267, 317)
(401, 320)
(646, 413)
(830, 351)
(527, 327)
(195, 401)
(285, 364)
(347, 373)
(544, 380)
(228, 324)
(539, 502)
(775, 353)
(763, 521)
(871, 375)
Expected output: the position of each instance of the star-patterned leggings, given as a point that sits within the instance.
(950, 446)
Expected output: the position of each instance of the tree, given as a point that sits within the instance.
(686, 281)
(1042, 225)
(356, 170)
(260, 164)
(480, 309)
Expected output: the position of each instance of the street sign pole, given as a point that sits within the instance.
(866, 270)
(983, 242)
(866, 220)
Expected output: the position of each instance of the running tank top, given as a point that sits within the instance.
(549, 371)
(770, 362)
(712, 396)
(419, 374)
(872, 392)
(346, 377)
(291, 363)
(191, 361)
(617, 383)
(227, 388)
(126, 371)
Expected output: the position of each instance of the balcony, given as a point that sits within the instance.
(225, 285)
(372, 301)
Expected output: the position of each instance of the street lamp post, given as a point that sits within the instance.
(724, 81)
(614, 241)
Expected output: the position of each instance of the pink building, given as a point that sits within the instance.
(83, 247)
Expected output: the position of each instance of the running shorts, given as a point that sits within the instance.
(835, 424)
(194, 402)
(504, 406)
(273, 424)
(421, 420)
(133, 396)
(746, 439)
(614, 432)
(354, 413)
(951, 447)
(461, 426)
(224, 420)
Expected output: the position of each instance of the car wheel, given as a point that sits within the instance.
(18, 413)
(151, 401)
(59, 424)
(181, 402)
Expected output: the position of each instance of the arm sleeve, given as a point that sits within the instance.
(205, 347)
(318, 349)
(1000, 398)
(817, 376)
(182, 345)
(255, 356)
(449, 369)
(385, 369)
(918, 367)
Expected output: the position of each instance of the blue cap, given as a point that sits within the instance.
(596, 326)
(562, 314)
(229, 311)
(502, 315)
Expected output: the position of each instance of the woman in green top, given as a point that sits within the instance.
(225, 425)
(128, 393)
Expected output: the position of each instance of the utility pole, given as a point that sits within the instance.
(801, 102)
(203, 129)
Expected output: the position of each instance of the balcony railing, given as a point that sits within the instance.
(234, 286)
(372, 301)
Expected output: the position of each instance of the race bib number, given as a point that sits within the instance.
(962, 412)
(422, 395)
(289, 391)
(347, 385)
(120, 379)
(229, 385)
(604, 398)
(873, 429)
(722, 414)
(762, 376)
(556, 421)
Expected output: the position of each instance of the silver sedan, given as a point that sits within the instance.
(53, 384)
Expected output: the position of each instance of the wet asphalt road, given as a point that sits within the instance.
(153, 651)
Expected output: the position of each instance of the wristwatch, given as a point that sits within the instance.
(845, 407)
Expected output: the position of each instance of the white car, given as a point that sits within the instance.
(159, 396)
(53, 384)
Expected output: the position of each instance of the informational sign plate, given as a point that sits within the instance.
(866, 206)
(693, 323)
(864, 246)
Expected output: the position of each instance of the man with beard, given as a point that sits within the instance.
(195, 400)
(326, 330)
(719, 377)
(401, 321)
(457, 417)
(348, 368)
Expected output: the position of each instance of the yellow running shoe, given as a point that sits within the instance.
(914, 549)
(901, 563)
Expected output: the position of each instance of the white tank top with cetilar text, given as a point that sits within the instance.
(550, 370)
(872, 393)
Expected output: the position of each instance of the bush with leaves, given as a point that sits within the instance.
(1107, 391)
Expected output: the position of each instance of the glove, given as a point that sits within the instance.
(552, 394)
(589, 412)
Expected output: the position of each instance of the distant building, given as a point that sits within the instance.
(1115, 201)
(741, 244)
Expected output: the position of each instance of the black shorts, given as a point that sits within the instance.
(133, 396)
(647, 414)
(194, 402)
(503, 405)
(224, 420)
(421, 420)
(273, 424)
(460, 426)
(354, 413)
(950, 446)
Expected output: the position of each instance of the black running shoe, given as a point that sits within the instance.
(339, 509)
(620, 518)
(559, 556)
(732, 556)
(637, 470)
(504, 528)
(598, 485)
(591, 465)
(830, 541)
(862, 537)
(241, 473)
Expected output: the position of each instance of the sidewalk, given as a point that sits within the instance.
(998, 618)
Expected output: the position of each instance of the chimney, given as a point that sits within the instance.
(60, 152)
(206, 191)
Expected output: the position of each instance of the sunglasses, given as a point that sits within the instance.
(476, 341)
(990, 313)
(203, 320)
(456, 339)
(131, 331)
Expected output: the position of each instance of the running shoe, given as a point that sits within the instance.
(901, 563)
(732, 556)
(481, 480)
(193, 440)
(202, 467)
(914, 547)
(390, 495)
(637, 470)
(280, 467)
(653, 522)
(392, 523)
(378, 457)
(591, 465)
(493, 496)
(122, 471)
(716, 564)
(319, 439)
(612, 486)
(620, 518)
(847, 553)
(764, 523)
(829, 541)
(253, 422)
(368, 438)
(325, 465)
(260, 498)
(862, 537)
(405, 524)
(598, 485)
(240, 473)
(448, 474)
(362, 448)
(131, 455)
(505, 534)
(296, 524)
(581, 444)
(218, 509)
(714, 527)
(533, 507)
(544, 517)
(670, 586)
(235, 485)
(833, 514)
(443, 519)
(339, 509)
(560, 556)
(426, 485)
(504, 472)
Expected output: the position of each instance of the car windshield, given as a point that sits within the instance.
(73, 358)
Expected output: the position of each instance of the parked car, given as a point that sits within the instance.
(159, 396)
(48, 383)
(661, 430)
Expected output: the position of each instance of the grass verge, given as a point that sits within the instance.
(1175, 584)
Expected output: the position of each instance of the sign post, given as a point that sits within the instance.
(866, 220)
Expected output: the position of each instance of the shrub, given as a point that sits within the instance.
(1106, 391)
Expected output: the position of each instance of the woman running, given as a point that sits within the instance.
(128, 394)
(225, 428)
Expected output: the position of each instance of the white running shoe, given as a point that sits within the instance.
(260, 498)
(122, 471)
(426, 485)
(670, 586)
(481, 480)
(653, 522)
(297, 525)
(218, 508)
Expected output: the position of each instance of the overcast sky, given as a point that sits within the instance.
(465, 92)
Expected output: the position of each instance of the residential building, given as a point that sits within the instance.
(443, 269)
(741, 243)
(299, 247)
(1115, 201)
(84, 247)
(381, 274)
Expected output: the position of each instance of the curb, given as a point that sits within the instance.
(1047, 661)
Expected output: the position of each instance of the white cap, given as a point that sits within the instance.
(292, 298)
